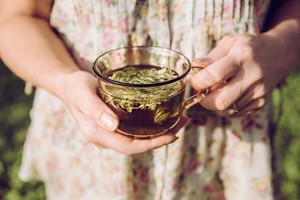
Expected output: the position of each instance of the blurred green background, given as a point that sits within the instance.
(14, 120)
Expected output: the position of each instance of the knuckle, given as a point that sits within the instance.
(89, 137)
(92, 110)
(222, 104)
(130, 151)
(88, 134)
(247, 52)
(125, 148)
(260, 91)
(201, 81)
(261, 102)
(229, 37)
(214, 76)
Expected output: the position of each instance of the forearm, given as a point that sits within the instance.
(284, 25)
(30, 48)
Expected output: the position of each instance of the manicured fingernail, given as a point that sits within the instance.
(109, 122)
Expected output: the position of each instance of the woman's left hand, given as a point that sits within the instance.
(241, 72)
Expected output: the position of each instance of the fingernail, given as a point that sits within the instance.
(109, 122)
(175, 138)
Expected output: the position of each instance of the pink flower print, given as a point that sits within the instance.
(200, 119)
(93, 180)
(76, 162)
(227, 12)
(176, 8)
(248, 123)
(236, 133)
(117, 59)
(108, 35)
(82, 14)
(178, 183)
(219, 196)
(59, 115)
(110, 2)
(86, 48)
(51, 122)
(120, 189)
(107, 2)
(261, 186)
(234, 137)
(143, 175)
(191, 166)
(213, 186)
(76, 188)
(235, 141)
(215, 190)
(135, 187)
(162, 11)
(59, 185)
(51, 164)
(209, 188)
(87, 19)
(123, 25)
(59, 18)
(176, 186)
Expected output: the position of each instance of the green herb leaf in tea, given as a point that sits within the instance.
(145, 98)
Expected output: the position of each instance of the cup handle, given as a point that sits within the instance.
(199, 96)
(196, 98)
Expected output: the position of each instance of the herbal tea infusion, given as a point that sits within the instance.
(145, 87)
(144, 111)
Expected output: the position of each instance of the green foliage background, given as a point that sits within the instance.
(14, 120)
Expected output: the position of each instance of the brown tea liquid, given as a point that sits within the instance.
(144, 111)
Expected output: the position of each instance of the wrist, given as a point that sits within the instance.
(73, 82)
(286, 37)
(62, 82)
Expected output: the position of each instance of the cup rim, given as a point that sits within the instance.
(106, 79)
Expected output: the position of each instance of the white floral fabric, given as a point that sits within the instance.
(213, 159)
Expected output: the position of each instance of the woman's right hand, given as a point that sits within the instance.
(98, 123)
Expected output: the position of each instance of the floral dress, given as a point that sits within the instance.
(214, 158)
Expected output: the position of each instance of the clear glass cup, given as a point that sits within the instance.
(144, 109)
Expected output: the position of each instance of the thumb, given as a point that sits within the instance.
(83, 98)
(98, 112)
(108, 121)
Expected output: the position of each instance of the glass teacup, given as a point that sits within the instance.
(145, 87)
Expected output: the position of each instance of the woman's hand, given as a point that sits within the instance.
(242, 71)
(98, 123)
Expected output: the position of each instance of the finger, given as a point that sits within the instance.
(251, 108)
(202, 62)
(256, 91)
(220, 51)
(130, 145)
(218, 66)
(216, 73)
(218, 78)
(183, 121)
(139, 146)
(231, 92)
